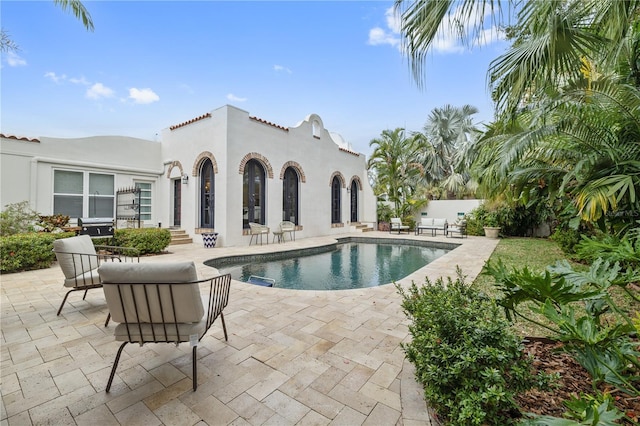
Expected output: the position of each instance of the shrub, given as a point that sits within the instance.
(53, 222)
(22, 252)
(469, 362)
(18, 218)
(566, 238)
(146, 240)
(625, 250)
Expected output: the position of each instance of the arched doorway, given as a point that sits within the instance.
(290, 196)
(354, 201)
(207, 195)
(336, 189)
(253, 190)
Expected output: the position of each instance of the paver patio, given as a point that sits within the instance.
(293, 357)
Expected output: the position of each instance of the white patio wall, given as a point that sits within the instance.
(449, 209)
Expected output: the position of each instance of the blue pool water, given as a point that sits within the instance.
(346, 266)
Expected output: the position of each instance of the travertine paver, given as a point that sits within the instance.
(293, 357)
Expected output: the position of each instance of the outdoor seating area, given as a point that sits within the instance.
(432, 224)
(292, 357)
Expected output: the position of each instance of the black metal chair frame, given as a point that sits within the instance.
(80, 259)
(218, 299)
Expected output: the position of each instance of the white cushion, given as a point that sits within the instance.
(73, 265)
(439, 222)
(85, 279)
(426, 221)
(132, 278)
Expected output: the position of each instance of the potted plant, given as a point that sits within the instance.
(491, 224)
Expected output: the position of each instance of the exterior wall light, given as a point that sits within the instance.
(185, 179)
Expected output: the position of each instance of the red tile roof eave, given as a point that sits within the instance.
(348, 151)
(19, 138)
(268, 123)
(193, 120)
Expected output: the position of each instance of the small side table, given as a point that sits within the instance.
(279, 235)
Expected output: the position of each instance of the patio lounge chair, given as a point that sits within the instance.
(79, 261)
(258, 230)
(396, 225)
(161, 303)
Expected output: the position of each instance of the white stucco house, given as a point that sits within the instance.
(214, 173)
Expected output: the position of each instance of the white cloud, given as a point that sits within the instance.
(143, 96)
(390, 35)
(379, 36)
(445, 40)
(98, 91)
(235, 98)
(283, 69)
(14, 60)
(393, 20)
(54, 77)
(79, 80)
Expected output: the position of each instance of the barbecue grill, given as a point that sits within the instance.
(96, 226)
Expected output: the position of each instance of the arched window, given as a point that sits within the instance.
(290, 196)
(354, 201)
(336, 189)
(207, 195)
(253, 202)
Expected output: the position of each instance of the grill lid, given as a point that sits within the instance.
(95, 221)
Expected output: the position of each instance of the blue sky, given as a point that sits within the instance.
(152, 64)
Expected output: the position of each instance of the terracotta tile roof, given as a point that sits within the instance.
(19, 138)
(260, 120)
(348, 151)
(193, 120)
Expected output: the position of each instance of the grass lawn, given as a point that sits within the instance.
(536, 254)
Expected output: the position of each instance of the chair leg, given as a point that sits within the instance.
(106, 323)
(115, 364)
(195, 369)
(85, 294)
(224, 326)
(63, 300)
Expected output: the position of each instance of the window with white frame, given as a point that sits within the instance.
(145, 200)
(83, 194)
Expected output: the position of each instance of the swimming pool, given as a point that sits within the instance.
(345, 265)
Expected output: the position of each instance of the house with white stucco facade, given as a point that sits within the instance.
(214, 173)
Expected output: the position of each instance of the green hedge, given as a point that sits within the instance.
(33, 250)
(146, 240)
(23, 252)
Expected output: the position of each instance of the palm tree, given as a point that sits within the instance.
(75, 6)
(394, 170)
(447, 147)
(551, 38)
(586, 150)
